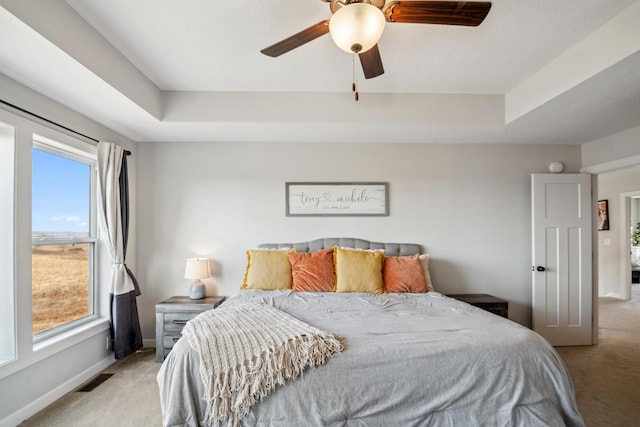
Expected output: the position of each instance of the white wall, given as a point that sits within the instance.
(469, 205)
(615, 159)
(611, 243)
(39, 378)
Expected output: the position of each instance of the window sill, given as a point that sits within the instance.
(50, 346)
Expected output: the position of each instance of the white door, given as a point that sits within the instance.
(562, 275)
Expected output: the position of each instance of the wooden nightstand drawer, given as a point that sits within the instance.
(486, 302)
(174, 322)
(171, 317)
(170, 340)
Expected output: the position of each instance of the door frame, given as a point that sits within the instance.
(596, 170)
(625, 237)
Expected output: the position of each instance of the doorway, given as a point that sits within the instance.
(615, 270)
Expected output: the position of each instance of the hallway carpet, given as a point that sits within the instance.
(606, 376)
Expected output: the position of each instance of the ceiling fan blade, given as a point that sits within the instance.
(437, 12)
(298, 39)
(371, 63)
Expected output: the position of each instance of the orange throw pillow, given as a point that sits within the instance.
(404, 274)
(313, 272)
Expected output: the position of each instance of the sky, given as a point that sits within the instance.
(60, 194)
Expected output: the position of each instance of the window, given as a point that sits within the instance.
(63, 236)
(7, 314)
(34, 159)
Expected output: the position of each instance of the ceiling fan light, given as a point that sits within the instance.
(357, 27)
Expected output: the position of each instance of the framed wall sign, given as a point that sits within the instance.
(337, 199)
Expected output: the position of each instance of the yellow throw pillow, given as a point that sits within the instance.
(268, 269)
(358, 270)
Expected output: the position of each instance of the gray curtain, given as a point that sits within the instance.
(113, 214)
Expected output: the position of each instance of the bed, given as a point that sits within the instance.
(409, 359)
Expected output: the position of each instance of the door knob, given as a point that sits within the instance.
(540, 268)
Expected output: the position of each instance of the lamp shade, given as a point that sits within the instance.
(357, 27)
(197, 268)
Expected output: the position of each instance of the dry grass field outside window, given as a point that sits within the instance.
(60, 285)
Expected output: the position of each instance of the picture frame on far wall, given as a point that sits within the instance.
(603, 215)
(337, 199)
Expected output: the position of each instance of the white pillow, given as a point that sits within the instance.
(424, 259)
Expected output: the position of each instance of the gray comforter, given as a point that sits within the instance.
(409, 360)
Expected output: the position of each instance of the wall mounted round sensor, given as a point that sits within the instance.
(556, 167)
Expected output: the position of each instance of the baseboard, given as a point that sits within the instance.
(55, 394)
(616, 295)
(149, 343)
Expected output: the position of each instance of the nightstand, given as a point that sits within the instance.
(173, 314)
(486, 302)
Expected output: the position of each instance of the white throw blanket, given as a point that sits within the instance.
(249, 349)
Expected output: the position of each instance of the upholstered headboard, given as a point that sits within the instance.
(391, 249)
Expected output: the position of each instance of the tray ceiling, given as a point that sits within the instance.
(534, 71)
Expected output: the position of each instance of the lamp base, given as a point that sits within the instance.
(198, 290)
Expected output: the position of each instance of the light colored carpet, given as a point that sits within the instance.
(606, 378)
(130, 398)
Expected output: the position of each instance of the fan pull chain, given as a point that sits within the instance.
(355, 78)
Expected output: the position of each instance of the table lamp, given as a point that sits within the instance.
(197, 268)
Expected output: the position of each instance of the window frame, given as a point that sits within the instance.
(8, 344)
(72, 152)
(26, 353)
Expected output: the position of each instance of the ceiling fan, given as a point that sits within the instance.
(357, 25)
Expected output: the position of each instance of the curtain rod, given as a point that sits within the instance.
(127, 152)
